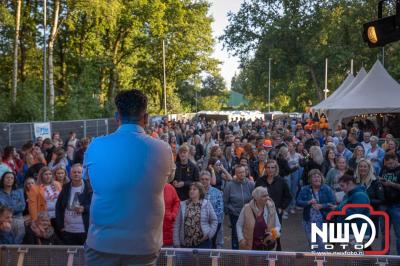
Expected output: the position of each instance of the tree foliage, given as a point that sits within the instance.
(298, 35)
(102, 47)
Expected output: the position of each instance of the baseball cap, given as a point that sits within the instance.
(267, 143)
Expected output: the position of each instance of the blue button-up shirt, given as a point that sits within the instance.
(127, 171)
(14, 200)
(215, 197)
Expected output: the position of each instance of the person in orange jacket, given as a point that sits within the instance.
(43, 195)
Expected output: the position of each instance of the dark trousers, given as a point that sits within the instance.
(278, 240)
(74, 239)
(214, 239)
(97, 258)
(206, 244)
(235, 242)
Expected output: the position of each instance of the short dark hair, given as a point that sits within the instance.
(8, 151)
(347, 179)
(131, 104)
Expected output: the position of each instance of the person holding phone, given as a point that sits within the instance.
(219, 175)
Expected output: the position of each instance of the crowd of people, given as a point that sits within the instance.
(254, 173)
(44, 199)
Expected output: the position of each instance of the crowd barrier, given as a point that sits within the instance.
(74, 256)
(17, 134)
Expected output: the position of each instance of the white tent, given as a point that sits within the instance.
(343, 86)
(378, 92)
(360, 76)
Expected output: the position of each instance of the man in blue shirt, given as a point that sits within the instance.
(128, 171)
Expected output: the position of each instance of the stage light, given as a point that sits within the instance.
(372, 35)
(385, 30)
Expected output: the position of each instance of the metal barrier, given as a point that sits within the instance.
(74, 256)
(17, 134)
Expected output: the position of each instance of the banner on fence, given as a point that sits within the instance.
(42, 130)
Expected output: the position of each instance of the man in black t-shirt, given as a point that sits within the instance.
(390, 178)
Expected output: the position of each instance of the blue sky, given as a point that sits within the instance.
(219, 10)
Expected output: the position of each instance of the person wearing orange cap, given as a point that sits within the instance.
(267, 143)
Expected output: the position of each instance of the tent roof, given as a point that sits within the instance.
(360, 76)
(378, 92)
(342, 87)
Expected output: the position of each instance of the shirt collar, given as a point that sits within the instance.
(130, 128)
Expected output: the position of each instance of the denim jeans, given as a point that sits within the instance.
(294, 186)
(235, 242)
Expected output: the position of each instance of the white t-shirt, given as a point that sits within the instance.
(51, 196)
(294, 160)
(73, 221)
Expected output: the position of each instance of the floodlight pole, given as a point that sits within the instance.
(269, 84)
(165, 79)
(326, 78)
(44, 59)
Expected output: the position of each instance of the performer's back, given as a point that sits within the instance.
(128, 171)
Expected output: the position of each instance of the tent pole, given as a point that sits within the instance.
(326, 78)
(352, 67)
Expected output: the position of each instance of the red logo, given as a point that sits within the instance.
(382, 214)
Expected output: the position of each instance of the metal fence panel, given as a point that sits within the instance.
(4, 134)
(17, 134)
(20, 133)
(64, 127)
(62, 255)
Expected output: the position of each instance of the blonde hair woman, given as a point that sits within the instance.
(60, 175)
(365, 176)
(43, 196)
(258, 225)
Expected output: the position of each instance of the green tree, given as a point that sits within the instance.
(97, 48)
(298, 36)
